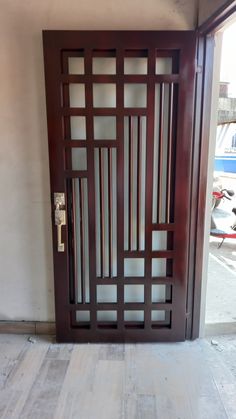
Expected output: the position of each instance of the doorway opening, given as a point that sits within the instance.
(220, 314)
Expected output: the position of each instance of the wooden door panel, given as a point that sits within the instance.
(120, 111)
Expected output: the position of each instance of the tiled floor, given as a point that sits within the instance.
(190, 380)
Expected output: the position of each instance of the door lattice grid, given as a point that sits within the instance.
(118, 114)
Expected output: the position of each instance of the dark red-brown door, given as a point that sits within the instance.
(120, 114)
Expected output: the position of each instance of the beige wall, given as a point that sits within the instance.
(208, 7)
(26, 278)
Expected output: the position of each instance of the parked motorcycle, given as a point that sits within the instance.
(223, 224)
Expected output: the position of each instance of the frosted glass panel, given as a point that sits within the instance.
(135, 66)
(134, 293)
(135, 95)
(158, 267)
(76, 65)
(104, 95)
(164, 65)
(106, 293)
(134, 267)
(106, 315)
(79, 158)
(77, 95)
(105, 177)
(161, 144)
(104, 65)
(158, 315)
(134, 182)
(104, 127)
(78, 127)
(134, 315)
(159, 240)
(158, 293)
(82, 316)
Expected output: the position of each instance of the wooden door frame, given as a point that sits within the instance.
(202, 126)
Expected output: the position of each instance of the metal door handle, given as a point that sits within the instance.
(60, 218)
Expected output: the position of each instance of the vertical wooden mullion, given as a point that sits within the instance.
(74, 235)
(149, 187)
(120, 188)
(82, 258)
(160, 159)
(110, 211)
(169, 154)
(91, 185)
(139, 179)
(130, 181)
(102, 210)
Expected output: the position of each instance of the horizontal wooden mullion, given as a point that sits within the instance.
(73, 53)
(155, 78)
(146, 253)
(135, 112)
(103, 112)
(92, 78)
(75, 174)
(66, 111)
(168, 254)
(123, 78)
(163, 227)
(134, 280)
(161, 323)
(88, 112)
(89, 143)
(166, 78)
(104, 143)
(135, 253)
(74, 143)
(165, 280)
(162, 280)
(114, 306)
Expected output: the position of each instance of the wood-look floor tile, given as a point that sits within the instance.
(43, 380)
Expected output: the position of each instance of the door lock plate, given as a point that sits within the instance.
(60, 218)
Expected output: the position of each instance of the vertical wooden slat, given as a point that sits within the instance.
(72, 247)
(130, 182)
(139, 179)
(160, 157)
(101, 200)
(74, 235)
(81, 210)
(110, 210)
(169, 154)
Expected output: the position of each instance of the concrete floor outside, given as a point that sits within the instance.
(221, 285)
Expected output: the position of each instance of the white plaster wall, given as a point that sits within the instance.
(26, 273)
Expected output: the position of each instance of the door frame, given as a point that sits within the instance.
(203, 106)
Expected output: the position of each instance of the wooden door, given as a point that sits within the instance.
(120, 113)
